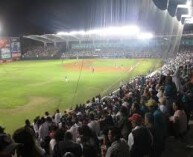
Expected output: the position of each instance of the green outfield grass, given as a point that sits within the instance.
(29, 88)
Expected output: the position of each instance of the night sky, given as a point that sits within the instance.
(26, 17)
(19, 17)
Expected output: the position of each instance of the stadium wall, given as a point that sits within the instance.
(9, 49)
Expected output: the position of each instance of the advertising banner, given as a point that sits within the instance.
(5, 48)
(15, 47)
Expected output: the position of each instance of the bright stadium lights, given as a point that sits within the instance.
(63, 33)
(117, 31)
(186, 15)
(189, 3)
(72, 33)
(188, 6)
(77, 33)
(90, 32)
(145, 36)
(189, 21)
(109, 31)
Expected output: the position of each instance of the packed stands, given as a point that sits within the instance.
(41, 51)
(148, 110)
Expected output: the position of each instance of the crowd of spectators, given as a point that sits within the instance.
(103, 52)
(134, 121)
(113, 52)
(41, 51)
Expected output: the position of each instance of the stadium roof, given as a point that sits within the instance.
(164, 20)
(71, 37)
(124, 32)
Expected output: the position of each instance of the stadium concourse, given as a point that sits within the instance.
(150, 116)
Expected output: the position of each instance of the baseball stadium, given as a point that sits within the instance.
(115, 80)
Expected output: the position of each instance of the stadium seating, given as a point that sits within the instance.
(162, 100)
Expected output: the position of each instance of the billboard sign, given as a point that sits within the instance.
(5, 48)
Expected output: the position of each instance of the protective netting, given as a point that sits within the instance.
(144, 13)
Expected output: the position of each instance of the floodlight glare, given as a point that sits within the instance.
(189, 3)
(109, 31)
(77, 33)
(145, 36)
(63, 33)
(189, 21)
(119, 31)
(188, 6)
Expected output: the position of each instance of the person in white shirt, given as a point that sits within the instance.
(58, 116)
(74, 130)
(94, 125)
(43, 130)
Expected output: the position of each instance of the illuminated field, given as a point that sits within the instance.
(29, 88)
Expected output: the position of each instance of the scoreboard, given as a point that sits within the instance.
(9, 48)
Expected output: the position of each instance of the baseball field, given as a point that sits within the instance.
(29, 88)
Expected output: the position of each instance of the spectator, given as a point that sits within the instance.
(123, 123)
(119, 147)
(58, 116)
(94, 125)
(43, 129)
(35, 126)
(30, 147)
(187, 98)
(160, 125)
(140, 139)
(179, 120)
(2, 130)
(28, 126)
(176, 79)
(89, 142)
(7, 146)
(67, 145)
(161, 104)
(135, 108)
(170, 92)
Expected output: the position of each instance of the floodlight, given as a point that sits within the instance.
(77, 33)
(82, 33)
(189, 20)
(188, 6)
(94, 31)
(109, 31)
(189, 3)
(145, 36)
(63, 33)
(120, 31)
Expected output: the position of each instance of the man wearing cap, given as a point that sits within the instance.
(140, 139)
